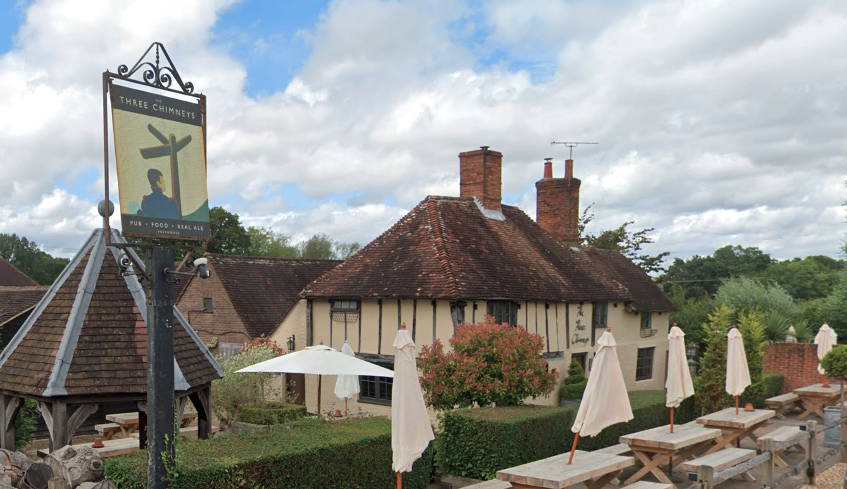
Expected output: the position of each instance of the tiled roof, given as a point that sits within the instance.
(9, 275)
(15, 300)
(263, 290)
(88, 335)
(445, 248)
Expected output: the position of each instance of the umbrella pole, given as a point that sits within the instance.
(399, 481)
(319, 395)
(671, 419)
(736, 404)
(345, 408)
(573, 448)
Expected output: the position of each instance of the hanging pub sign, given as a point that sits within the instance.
(160, 153)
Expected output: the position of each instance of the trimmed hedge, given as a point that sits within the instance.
(771, 386)
(478, 442)
(303, 454)
(271, 413)
(573, 391)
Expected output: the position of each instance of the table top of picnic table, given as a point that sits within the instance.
(683, 436)
(554, 472)
(126, 419)
(727, 418)
(818, 390)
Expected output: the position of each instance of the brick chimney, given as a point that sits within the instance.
(557, 205)
(480, 176)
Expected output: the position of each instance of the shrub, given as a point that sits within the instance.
(489, 364)
(25, 423)
(573, 391)
(752, 329)
(834, 362)
(271, 413)
(305, 454)
(575, 374)
(710, 385)
(479, 442)
(235, 390)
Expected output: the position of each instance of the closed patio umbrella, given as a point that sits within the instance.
(678, 384)
(320, 360)
(737, 373)
(346, 386)
(411, 431)
(605, 401)
(825, 339)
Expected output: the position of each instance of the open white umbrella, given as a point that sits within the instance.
(737, 373)
(346, 386)
(825, 339)
(605, 401)
(411, 431)
(678, 384)
(320, 360)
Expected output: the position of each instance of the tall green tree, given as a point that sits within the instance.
(710, 386)
(267, 242)
(702, 275)
(812, 277)
(228, 235)
(25, 255)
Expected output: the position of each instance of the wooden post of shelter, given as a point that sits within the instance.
(9, 408)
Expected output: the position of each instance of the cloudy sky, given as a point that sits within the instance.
(719, 122)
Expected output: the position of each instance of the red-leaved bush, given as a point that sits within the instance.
(490, 363)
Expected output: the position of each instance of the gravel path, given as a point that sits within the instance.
(831, 478)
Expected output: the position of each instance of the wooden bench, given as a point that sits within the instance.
(619, 449)
(108, 430)
(492, 484)
(185, 431)
(650, 485)
(722, 460)
(783, 403)
(781, 435)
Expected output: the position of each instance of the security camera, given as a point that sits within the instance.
(202, 271)
(125, 265)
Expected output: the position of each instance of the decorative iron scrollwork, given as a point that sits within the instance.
(646, 333)
(155, 75)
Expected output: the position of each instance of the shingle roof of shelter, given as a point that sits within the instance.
(448, 248)
(15, 300)
(88, 334)
(9, 275)
(263, 290)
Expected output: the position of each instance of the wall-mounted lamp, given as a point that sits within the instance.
(291, 343)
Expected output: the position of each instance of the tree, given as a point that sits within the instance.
(752, 330)
(267, 242)
(228, 235)
(318, 247)
(746, 295)
(835, 307)
(710, 386)
(25, 255)
(702, 275)
(693, 313)
(489, 364)
(623, 240)
(812, 277)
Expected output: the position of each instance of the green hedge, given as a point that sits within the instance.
(478, 442)
(573, 391)
(771, 386)
(303, 454)
(270, 413)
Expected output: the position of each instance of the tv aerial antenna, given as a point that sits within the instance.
(571, 145)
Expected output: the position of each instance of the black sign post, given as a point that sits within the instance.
(157, 203)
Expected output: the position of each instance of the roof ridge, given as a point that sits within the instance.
(441, 253)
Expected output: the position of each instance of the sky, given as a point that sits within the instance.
(718, 122)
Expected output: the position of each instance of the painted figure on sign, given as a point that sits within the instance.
(157, 204)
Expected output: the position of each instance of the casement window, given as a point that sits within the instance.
(644, 364)
(503, 312)
(376, 390)
(646, 320)
(600, 314)
(207, 305)
(228, 350)
(345, 311)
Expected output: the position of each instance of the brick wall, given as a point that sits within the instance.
(557, 207)
(223, 323)
(480, 176)
(797, 362)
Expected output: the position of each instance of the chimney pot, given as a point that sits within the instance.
(484, 148)
(548, 167)
(568, 168)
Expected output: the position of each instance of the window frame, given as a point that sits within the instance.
(646, 320)
(382, 386)
(596, 307)
(512, 311)
(644, 370)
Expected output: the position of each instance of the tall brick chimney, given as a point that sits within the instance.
(557, 205)
(480, 176)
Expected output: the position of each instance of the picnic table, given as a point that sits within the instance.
(815, 397)
(593, 469)
(656, 446)
(128, 422)
(735, 426)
